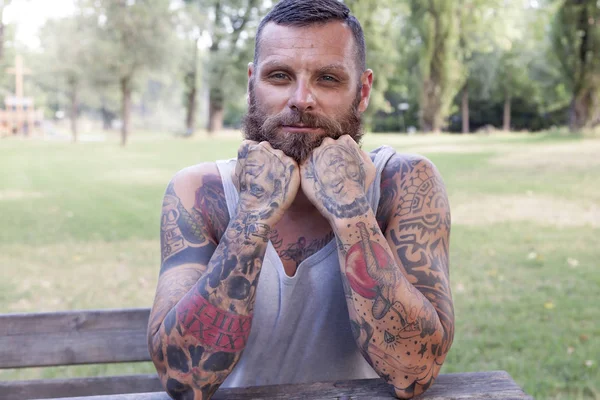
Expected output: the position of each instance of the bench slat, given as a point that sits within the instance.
(465, 386)
(70, 338)
(67, 321)
(53, 388)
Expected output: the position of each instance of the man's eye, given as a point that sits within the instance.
(278, 76)
(328, 78)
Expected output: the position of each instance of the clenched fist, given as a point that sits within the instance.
(266, 179)
(336, 178)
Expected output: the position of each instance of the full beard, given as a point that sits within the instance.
(259, 126)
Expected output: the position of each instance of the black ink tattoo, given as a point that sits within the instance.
(338, 174)
(301, 249)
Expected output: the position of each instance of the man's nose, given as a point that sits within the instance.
(302, 99)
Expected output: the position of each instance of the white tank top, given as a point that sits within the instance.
(300, 330)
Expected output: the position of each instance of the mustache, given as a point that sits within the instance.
(306, 119)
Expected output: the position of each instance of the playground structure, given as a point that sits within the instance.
(19, 117)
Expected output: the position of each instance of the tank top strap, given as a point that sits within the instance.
(382, 156)
(226, 168)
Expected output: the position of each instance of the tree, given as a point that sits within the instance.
(379, 19)
(576, 39)
(134, 36)
(436, 23)
(230, 19)
(65, 60)
(193, 22)
(479, 22)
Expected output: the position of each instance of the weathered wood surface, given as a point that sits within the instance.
(467, 386)
(53, 388)
(73, 337)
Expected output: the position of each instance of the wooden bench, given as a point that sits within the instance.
(116, 336)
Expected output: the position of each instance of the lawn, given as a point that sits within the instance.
(80, 231)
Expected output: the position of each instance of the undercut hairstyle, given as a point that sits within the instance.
(302, 13)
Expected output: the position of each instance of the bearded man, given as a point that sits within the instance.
(305, 259)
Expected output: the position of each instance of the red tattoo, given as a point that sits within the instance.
(215, 328)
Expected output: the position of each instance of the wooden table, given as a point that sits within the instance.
(476, 385)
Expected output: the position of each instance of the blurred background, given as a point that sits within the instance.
(105, 100)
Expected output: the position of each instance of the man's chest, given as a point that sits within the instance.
(295, 242)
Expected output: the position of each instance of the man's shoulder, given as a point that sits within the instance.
(199, 188)
(196, 176)
(399, 165)
(403, 175)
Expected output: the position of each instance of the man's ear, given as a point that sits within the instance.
(250, 77)
(366, 84)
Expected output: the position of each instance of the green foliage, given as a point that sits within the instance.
(576, 40)
(441, 70)
(379, 19)
(540, 58)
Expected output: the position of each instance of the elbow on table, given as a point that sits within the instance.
(421, 384)
(412, 391)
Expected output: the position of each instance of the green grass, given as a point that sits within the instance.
(81, 231)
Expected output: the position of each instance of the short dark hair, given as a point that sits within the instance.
(301, 13)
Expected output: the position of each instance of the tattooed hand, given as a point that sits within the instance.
(336, 178)
(266, 179)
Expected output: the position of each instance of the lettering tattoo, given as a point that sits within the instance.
(301, 249)
(215, 328)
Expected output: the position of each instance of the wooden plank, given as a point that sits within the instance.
(70, 338)
(52, 388)
(68, 321)
(467, 386)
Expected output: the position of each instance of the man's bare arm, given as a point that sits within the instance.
(202, 314)
(401, 328)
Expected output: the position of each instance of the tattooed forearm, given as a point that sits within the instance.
(201, 339)
(397, 285)
(203, 309)
(392, 321)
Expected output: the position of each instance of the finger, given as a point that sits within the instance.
(244, 148)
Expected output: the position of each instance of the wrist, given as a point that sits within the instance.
(340, 215)
(250, 226)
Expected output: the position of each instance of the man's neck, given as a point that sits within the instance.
(301, 207)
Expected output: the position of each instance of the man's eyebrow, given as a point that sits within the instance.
(339, 68)
(274, 65)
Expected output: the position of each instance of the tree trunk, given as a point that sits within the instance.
(215, 112)
(190, 118)
(74, 110)
(507, 112)
(125, 108)
(431, 107)
(192, 94)
(584, 112)
(465, 110)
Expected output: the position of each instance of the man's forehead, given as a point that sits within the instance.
(331, 42)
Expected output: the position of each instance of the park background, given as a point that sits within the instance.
(502, 95)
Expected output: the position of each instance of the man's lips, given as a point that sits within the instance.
(300, 128)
